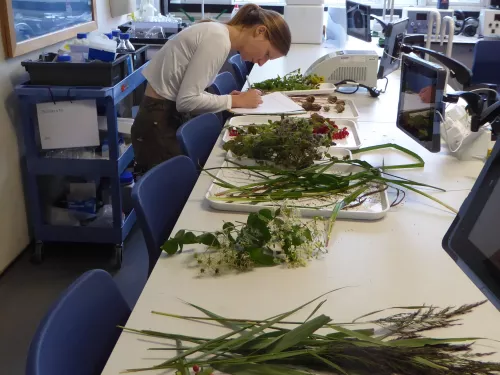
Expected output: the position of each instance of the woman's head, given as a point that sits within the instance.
(265, 34)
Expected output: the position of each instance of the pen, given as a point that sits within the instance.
(248, 83)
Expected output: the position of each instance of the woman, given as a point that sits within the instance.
(181, 71)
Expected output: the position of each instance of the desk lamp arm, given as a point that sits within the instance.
(475, 107)
(380, 21)
(457, 69)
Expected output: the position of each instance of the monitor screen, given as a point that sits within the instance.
(421, 101)
(391, 59)
(358, 21)
(472, 240)
(421, 16)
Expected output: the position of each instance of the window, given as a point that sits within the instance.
(463, 3)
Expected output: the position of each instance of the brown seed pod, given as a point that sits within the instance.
(332, 99)
(341, 102)
(307, 106)
(310, 99)
(326, 108)
(340, 108)
(316, 107)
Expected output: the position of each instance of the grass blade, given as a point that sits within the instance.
(330, 363)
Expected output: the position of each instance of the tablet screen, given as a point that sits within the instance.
(358, 21)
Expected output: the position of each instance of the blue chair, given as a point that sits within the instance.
(485, 62)
(159, 197)
(197, 137)
(240, 69)
(224, 84)
(80, 331)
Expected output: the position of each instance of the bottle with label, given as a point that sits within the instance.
(235, 10)
(80, 48)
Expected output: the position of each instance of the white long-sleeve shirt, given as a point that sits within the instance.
(188, 64)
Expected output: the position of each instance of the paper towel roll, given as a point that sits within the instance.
(306, 23)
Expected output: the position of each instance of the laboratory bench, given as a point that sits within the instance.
(395, 261)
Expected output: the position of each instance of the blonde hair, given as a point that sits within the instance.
(278, 32)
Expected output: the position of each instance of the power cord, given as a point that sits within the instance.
(446, 134)
(386, 83)
(373, 91)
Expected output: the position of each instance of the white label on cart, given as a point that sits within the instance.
(68, 124)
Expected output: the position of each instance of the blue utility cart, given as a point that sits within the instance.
(39, 165)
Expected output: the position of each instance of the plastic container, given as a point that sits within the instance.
(127, 185)
(102, 74)
(81, 39)
(64, 58)
(102, 49)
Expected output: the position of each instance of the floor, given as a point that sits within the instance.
(28, 290)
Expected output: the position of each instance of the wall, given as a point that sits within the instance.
(13, 222)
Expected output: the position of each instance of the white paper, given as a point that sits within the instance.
(275, 103)
(68, 124)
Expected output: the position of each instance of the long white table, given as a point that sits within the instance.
(392, 262)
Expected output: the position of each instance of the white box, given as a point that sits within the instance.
(305, 22)
(489, 23)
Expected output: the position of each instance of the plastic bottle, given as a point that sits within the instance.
(81, 39)
(235, 10)
(109, 35)
(127, 184)
(116, 36)
(148, 11)
(125, 46)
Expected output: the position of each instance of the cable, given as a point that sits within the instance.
(446, 134)
(386, 83)
(485, 89)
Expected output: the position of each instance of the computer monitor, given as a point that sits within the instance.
(358, 20)
(394, 34)
(421, 101)
(472, 239)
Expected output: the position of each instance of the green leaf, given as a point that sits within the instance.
(315, 310)
(330, 363)
(189, 238)
(358, 335)
(228, 226)
(341, 335)
(171, 246)
(208, 239)
(266, 213)
(261, 257)
(258, 369)
(180, 234)
(428, 363)
(218, 318)
(390, 308)
(206, 371)
(298, 334)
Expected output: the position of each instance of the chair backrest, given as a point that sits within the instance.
(224, 84)
(159, 197)
(80, 331)
(240, 70)
(486, 62)
(197, 137)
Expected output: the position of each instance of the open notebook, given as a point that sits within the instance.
(272, 104)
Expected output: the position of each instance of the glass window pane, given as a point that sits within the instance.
(34, 18)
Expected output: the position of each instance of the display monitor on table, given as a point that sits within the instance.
(421, 104)
(472, 240)
(358, 20)
(394, 34)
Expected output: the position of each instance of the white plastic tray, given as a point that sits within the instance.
(352, 142)
(324, 89)
(350, 112)
(375, 207)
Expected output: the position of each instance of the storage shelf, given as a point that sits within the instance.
(84, 167)
(65, 233)
(37, 165)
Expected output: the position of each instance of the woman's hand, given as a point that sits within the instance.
(250, 99)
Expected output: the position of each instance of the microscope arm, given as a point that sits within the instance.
(380, 21)
(457, 69)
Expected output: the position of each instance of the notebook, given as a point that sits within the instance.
(272, 104)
